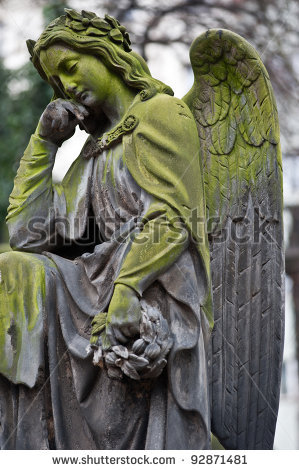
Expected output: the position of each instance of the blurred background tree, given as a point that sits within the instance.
(272, 26)
(24, 96)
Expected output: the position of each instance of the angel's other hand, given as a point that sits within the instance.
(124, 315)
(59, 120)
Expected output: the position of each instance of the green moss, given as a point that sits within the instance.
(22, 299)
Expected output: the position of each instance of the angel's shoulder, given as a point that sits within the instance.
(163, 104)
(166, 111)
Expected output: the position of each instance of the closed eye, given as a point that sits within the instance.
(71, 66)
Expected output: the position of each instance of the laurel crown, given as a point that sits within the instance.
(88, 23)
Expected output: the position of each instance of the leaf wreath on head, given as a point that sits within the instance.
(86, 24)
(90, 24)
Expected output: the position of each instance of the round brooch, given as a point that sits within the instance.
(130, 122)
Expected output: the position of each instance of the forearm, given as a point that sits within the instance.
(158, 246)
(31, 201)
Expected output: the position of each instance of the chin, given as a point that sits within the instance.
(90, 102)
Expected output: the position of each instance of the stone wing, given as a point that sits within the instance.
(233, 103)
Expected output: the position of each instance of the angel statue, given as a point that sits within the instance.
(142, 301)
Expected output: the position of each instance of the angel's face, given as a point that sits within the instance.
(82, 77)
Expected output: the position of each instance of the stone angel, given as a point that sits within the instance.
(158, 257)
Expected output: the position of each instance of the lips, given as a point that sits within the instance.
(85, 97)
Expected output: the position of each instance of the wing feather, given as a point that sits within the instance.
(234, 107)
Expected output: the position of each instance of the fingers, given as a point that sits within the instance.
(83, 110)
(60, 121)
(130, 330)
(66, 117)
(111, 337)
(126, 331)
(64, 121)
(61, 114)
(134, 329)
(122, 334)
(118, 334)
(115, 336)
(77, 109)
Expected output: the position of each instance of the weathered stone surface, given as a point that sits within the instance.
(117, 269)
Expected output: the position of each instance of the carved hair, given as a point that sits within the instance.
(129, 65)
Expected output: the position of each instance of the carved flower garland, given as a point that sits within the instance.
(142, 358)
(92, 25)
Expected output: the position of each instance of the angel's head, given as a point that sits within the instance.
(76, 48)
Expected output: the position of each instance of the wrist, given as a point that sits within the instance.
(121, 287)
(40, 134)
(41, 150)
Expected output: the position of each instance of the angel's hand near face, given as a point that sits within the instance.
(59, 120)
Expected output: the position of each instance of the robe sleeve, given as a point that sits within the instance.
(43, 215)
(30, 213)
(161, 241)
(162, 154)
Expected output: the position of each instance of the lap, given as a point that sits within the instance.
(11, 259)
(22, 303)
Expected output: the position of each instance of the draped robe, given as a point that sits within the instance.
(60, 275)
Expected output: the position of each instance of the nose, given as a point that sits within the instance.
(68, 85)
